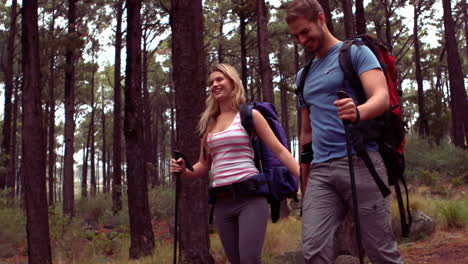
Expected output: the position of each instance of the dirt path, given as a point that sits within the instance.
(445, 246)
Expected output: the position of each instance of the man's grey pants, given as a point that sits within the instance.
(328, 196)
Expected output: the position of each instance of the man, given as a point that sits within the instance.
(328, 194)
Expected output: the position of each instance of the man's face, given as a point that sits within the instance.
(308, 33)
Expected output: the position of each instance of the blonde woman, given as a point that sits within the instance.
(226, 150)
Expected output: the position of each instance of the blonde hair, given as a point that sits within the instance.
(308, 9)
(212, 109)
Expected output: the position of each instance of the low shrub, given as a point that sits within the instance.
(453, 214)
(162, 201)
(12, 226)
(424, 160)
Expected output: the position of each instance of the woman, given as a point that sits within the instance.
(225, 149)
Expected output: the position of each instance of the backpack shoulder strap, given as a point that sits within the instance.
(300, 88)
(346, 65)
(245, 111)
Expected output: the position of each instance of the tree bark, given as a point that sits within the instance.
(360, 18)
(51, 141)
(84, 178)
(117, 129)
(104, 150)
(263, 52)
(189, 77)
(8, 181)
(422, 125)
(68, 189)
(456, 79)
(34, 141)
(14, 146)
(92, 144)
(328, 15)
(243, 46)
(141, 233)
(149, 154)
(348, 18)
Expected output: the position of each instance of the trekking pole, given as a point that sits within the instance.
(176, 220)
(177, 155)
(341, 95)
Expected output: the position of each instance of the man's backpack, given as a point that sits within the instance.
(387, 130)
(281, 183)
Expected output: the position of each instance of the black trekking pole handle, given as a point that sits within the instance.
(342, 95)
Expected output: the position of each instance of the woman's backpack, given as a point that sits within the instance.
(282, 183)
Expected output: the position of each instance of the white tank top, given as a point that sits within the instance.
(231, 154)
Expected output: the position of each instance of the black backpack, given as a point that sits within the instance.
(387, 130)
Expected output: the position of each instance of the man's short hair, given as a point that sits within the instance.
(308, 9)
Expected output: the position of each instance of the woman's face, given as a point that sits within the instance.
(220, 86)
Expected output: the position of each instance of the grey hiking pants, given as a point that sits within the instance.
(328, 196)
(241, 224)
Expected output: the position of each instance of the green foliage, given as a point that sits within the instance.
(94, 208)
(57, 222)
(426, 163)
(12, 226)
(453, 214)
(162, 201)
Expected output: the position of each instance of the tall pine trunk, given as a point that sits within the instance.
(422, 125)
(328, 15)
(243, 46)
(189, 77)
(348, 18)
(105, 175)
(8, 180)
(92, 144)
(51, 141)
(141, 233)
(68, 185)
(34, 142)
(117, 129)
(360, 18)
(456, 78)
(263, 53)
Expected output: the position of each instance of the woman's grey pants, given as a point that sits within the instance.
(327, 197)
(241, 224)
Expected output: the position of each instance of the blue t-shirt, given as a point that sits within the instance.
(324, 79)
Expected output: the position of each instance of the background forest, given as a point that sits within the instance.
(96, 94)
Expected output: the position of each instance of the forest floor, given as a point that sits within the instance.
(446, 245)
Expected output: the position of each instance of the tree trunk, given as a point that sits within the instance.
(263, 52)
(149, 155)
(141, 233)
(220, 43)
(34, 142)
(92, 146)
(14, 146)
(104, 150)
(243, 46)
(388, 26)
(117, 129)
(328, 15)
(68, 189)
(51, 141)
(189, 77)
(456, 78)
(84, 178)
(360, 18)
(348, 18)
(422, 125)
(8, 180)
(465, 24)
